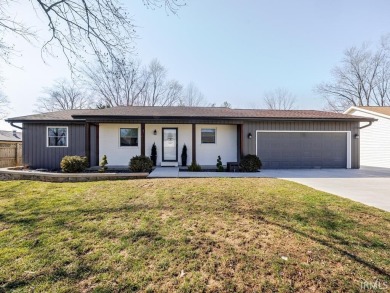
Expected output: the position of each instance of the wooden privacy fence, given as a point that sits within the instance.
(10, 154)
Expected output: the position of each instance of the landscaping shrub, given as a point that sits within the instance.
(73, 164)
(103, 164)
(250, 163)
(153, 155)
(219, 165)
(140, 164)
(194, 167)
(184, 155)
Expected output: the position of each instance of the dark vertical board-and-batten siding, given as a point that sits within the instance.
(36, 154)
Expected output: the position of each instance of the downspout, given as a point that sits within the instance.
(369, 124)
(13, 125)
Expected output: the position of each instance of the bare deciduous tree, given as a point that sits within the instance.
(120, 84)
(362, 79)
(226, 104)
(77, 27)
(63, 96)
(4, 103)
(173, 94)
(279, 99)
(129, 84)
(192, 97)
(156, 85)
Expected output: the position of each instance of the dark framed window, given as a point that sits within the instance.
(57, 136)
(207, 135)
(128, 137)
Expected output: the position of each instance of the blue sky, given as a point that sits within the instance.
(232, 50)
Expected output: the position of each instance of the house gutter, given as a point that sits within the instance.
(369, 124)
(16, 126)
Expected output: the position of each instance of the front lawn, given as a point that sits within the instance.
(188, 235)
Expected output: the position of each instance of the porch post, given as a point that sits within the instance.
(88, 142)
(97, 144)
(193, 142)
(240, 142)
(142, 139)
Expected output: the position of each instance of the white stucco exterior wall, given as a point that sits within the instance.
(184, 132)
(374, 140)
(225, 145)
(206, 154)
(109, 144)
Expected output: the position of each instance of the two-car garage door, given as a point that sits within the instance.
(283, 150)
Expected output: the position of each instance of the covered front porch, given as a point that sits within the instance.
(204, 141)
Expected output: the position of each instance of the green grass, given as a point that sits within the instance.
(229, 235)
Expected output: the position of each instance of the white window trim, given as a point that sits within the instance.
(208, 143)
(349, 140)
(128, 146)
(57, 146)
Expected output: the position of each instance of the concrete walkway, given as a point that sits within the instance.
(367, 185)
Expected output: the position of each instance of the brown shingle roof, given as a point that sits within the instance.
(377, 109)
(65, 115)
(190, 112)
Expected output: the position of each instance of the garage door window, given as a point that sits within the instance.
(208, 135)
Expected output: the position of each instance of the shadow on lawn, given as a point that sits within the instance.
(72, 220)
(331, 224)
(314, 216)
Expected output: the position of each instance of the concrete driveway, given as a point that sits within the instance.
(367, 185)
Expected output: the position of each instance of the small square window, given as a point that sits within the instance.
(128, 137)
(207, 135)
(57, 136)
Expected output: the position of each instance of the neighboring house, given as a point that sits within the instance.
(281, 138)
(10, 148)
(10, 136)
(375, 139)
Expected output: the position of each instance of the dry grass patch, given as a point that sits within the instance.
(187, 235)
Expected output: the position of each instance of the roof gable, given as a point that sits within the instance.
(373, 110)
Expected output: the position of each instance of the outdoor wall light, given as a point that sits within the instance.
(357, 136)
(250, 135)
(155, 132)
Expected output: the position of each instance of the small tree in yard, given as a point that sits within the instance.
(153, 154)
(103, 164)
(219, 165)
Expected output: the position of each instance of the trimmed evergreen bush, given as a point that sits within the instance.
(219, 165)
(153, 155)
(184, 155)
(140, 164)
(250, 163)
(73, 164)
(103, 164)
(194, 167)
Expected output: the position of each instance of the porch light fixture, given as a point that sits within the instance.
(357, 136)
(155, 132)
(250, 135)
